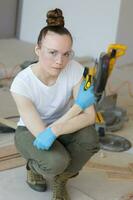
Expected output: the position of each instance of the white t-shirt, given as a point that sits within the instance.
(53, 101)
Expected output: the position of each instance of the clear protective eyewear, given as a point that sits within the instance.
(54, 54)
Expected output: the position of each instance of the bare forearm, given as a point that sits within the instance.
(34, 123)
(71, 113)
(81, 121)
(29, 115)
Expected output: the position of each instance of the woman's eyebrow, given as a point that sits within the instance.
(51, 49)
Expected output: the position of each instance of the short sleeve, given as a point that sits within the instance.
(77, 72)
(18, 86)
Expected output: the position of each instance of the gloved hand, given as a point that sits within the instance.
(85, 98)
(45, 139)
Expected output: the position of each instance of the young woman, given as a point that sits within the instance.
(55, 133)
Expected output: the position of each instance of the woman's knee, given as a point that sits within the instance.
(88, 138)
(56, 167)
(53, 161)
(55, 164)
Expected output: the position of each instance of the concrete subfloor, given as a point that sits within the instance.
(89, 185)
(14, 187)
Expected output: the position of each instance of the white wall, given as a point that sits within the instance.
(125, 30)
(93, 23)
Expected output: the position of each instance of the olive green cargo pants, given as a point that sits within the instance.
(69, 153)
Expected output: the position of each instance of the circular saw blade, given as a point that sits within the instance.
(114, 143)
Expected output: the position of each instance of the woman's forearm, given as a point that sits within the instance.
(81, 121)
(71, 113)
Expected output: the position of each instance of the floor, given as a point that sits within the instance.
(91, 184)
(14, 184)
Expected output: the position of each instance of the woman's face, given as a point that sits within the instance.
(54, 53)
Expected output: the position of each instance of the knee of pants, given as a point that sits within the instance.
(52, 166)
(88, 139)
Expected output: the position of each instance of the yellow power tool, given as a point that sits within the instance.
(115, 51)
(99, 74)
(105, 66)
(88, 75)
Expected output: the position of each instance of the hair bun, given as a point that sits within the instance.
(55, 18)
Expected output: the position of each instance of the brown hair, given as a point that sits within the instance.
(55, 23)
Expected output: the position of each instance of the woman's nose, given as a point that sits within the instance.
(59, 59)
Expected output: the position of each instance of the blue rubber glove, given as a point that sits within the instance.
(45, 139)
(85, 98)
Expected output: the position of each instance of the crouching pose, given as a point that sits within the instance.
(55, 133)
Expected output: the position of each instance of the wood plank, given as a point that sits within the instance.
(104, 167)
(12, 163)
(10, 157)
(8, 123)
(120, 176)
(8, 150)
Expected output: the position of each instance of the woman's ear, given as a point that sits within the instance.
(37, 50)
